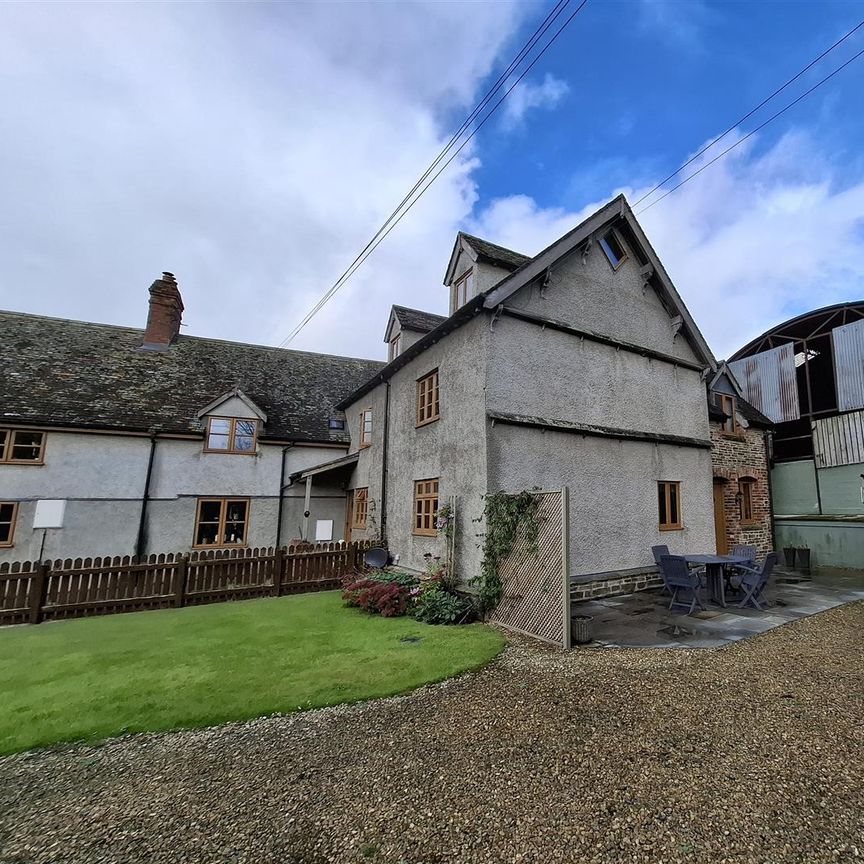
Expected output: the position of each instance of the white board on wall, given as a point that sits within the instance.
(323, 529)
(49, 514)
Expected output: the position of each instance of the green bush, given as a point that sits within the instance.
(403, 580)
(434, 606)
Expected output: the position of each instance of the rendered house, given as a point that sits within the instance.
(156, 442)
(580, 366)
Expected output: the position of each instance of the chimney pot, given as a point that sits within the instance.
(165, 314)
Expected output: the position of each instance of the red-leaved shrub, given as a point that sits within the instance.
(384, 598)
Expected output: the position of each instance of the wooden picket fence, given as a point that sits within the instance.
(34, 591)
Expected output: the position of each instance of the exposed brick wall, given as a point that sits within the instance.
(734, 458)
(615, 585)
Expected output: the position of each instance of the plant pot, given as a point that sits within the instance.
(789, 555)
(580, 629)
(803, 553)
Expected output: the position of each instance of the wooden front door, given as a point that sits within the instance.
(349, 513)
(720, 518)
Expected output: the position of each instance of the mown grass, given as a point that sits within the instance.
(98, 677)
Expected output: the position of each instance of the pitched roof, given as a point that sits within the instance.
(494, 254)
(74, 373)
(415, 319)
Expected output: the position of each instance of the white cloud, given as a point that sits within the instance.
(527, 95)
(753, 240)
(250, 148)
(679, 24)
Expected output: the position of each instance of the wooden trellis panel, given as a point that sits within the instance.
(536, 598)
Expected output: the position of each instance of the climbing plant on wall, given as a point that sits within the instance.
(505, 514)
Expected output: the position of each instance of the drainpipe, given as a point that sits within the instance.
(766, 437)
(384, 465)
(282, 487)
(139, 541)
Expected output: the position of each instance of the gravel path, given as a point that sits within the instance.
(750, 753)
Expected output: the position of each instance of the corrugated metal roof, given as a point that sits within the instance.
(849, 365)
(769, 382)
(839, 440)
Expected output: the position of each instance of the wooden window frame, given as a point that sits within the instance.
(360, 510)
(423, 494)
(604, 245)
(365, 438)
(395, 346)
(747, 486)
(9, 434)
(721, 400)
(428, 399)
(668, 525)
(223, 512)
(459, 284)
(10, 541)
(232, 436)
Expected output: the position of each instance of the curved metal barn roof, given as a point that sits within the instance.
(806, 326)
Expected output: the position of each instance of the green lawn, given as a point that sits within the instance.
(97, 677)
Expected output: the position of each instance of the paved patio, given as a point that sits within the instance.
(643, 619)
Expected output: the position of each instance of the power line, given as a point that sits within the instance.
(753, 131)
(394, 219)
(748, 115)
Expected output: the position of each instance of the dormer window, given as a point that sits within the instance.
(727, 405)
(462, 290)
(613, 248)
(395, 347)
(231, 435)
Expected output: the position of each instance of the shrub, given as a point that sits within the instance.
(383, 598)
(436, 606)
(405, 580)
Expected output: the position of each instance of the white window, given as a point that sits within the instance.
(463, 290)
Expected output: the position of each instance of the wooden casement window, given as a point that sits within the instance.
(221, 522)
(727, 405)
(669, 505)
(8, 514)
(361, 508)
(747, 486)
(231, 435)
(462, 290)
(613, 249)
(365, 427)
(22, 447)
(425, 507)
(427, 398)
(395, 347)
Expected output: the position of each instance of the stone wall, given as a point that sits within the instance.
(615, 584)
(735, 457)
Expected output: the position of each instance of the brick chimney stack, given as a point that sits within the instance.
(166, 312)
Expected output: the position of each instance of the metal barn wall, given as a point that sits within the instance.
(849, 365)
(769, 382)
(839, 440)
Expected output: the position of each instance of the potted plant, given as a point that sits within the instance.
(803, 553)
(789, 555)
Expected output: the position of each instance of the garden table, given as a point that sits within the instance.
(714, 572)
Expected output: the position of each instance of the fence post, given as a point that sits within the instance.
(38, 585)
(278, 563)
(180, 581)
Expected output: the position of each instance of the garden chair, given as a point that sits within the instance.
(658, 552)
(753, 581)
(744, 551)
(680, 578)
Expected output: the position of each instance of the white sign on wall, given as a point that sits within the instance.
(323, 529)
(49, 514)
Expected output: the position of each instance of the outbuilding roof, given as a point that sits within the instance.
(57, 372)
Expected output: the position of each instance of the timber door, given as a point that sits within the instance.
(720, 518)
(349, 514)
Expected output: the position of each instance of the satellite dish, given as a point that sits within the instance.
(376, 557)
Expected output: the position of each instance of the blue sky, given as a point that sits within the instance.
(253, 149)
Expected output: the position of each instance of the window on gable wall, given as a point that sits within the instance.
(8, 512)
(425, 507)
(463, 289)
(428, 405)
(365, 427)
(395, 348)
(231, 435)
(727, 405)
(21, 447)
(613, 248)
(669, 505)
(361, 508)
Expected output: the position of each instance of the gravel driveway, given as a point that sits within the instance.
(749, 753)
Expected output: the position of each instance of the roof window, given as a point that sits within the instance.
(336, 423)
